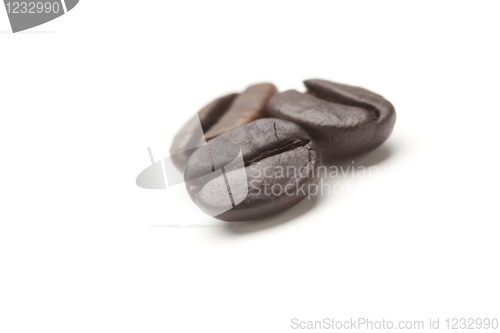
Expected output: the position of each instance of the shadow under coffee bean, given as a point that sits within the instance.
(278, 167)
(343, 120)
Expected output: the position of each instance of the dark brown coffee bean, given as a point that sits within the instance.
(189, 136)
(220, 116)
(343, 120)
(253, 171)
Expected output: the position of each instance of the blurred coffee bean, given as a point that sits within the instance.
(220, 116)
(343, 120)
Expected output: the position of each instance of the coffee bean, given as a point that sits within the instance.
(220, 116)
(247, 107)
(253, 171)
(189, 137)
(343, 120)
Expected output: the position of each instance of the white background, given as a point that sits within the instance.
(83, 249)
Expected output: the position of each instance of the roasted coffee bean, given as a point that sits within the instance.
(220, 116)
(247, 107)
(253, 171)
(343, 120)
(189, 136)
